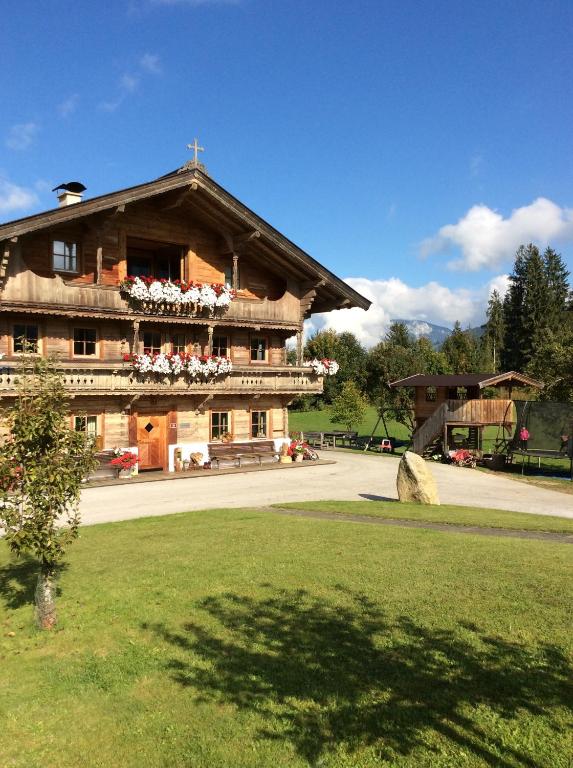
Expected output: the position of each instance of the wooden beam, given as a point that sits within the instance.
(5, 259)
(239, 241)
(181, 197)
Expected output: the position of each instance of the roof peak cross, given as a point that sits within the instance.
(193, 164)
(196, 149)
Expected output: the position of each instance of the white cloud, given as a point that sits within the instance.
(392, 299)
(128, 82)
(15, 198)
(151, 63)
(69, 105)
(486, 239)
(22, 136)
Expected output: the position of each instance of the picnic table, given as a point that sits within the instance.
(325, 440)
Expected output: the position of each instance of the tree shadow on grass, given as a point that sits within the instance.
(18, 580)
(330, 674)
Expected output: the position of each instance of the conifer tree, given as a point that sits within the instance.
(495, 329)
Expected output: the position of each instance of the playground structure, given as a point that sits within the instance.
(445, 403)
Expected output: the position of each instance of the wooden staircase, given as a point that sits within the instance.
(431, 430)
(473, 414)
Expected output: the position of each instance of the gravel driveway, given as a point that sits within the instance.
(354, 476)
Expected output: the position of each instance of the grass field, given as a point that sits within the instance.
(239, 639)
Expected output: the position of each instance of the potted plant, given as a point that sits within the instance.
(125, 462)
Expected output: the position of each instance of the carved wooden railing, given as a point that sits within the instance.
(462, 412)
(108, 379)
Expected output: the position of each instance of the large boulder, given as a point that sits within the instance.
(415, 482)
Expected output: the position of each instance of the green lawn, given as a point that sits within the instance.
(235, 638)
(472, 516)
(319, 421)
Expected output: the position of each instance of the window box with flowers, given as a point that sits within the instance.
(153, 296)
(323, 367)
(180, 363)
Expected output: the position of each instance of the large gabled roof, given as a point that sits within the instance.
(481, 380)
(335, 291)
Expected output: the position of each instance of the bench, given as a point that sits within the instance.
(239, 452)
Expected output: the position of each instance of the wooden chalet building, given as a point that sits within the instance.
(447, 402)
(65, 291)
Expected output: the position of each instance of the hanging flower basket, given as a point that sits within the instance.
(194, 366)
(323, 367)
(175, 296)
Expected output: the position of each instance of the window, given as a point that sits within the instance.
(258, 423)
(431, 394)
(151, 343)
(228, 270)
(84, 341)
(25, 338)
(178, 345)
(65, 256)
(219, 424)
(220, 346)
(86, 424)
(154, 260)
(258, 349)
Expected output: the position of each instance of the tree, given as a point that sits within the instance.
(512, 312)
(495, 328)
(348, 353)
(349, 407)
(42, 465)
(461, 351)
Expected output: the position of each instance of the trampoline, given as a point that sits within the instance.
(549, 428)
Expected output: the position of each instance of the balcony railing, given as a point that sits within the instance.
(106, 379)
(480, 411)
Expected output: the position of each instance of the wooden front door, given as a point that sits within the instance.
(151, 441)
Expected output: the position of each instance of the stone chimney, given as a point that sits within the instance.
(68, 198)
(70, 193)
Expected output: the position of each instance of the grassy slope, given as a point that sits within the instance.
(483, 518)
(239, 638)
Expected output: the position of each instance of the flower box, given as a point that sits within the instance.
(175, 296)
(167, 364)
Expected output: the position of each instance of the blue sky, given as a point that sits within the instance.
(409, 146)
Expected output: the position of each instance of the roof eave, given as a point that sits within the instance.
(57, 216)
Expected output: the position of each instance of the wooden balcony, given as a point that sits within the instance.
(121, 379)
(480, 412)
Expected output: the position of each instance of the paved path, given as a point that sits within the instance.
(354, 476)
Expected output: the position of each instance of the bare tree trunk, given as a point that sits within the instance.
(45, 597)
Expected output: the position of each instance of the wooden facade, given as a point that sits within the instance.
(61, 274)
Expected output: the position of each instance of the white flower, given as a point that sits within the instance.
(156, 291)
(139, 290)
(207, 296)
(323, 367)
